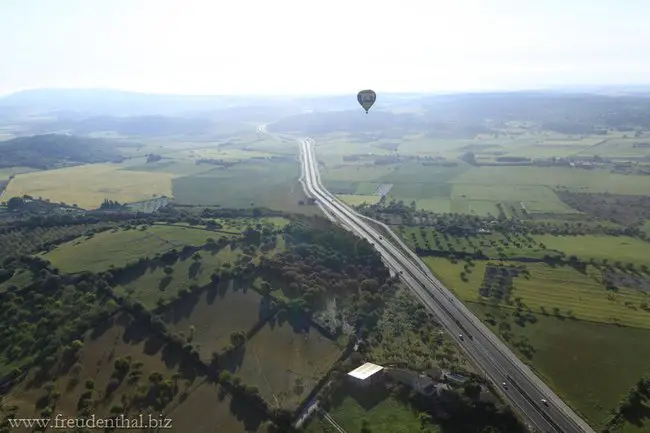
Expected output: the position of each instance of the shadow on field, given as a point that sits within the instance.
(637, 415)
(297, 319)
(264, 309)
(182, 309)
(130, 275)
(235, 285)
(220, 289)
(367, 397)
(164, 282)
(174, 358)
(153, 344)
(134, 332)
(193, 271)
(102, 328)
(233, 359)
(242, 410)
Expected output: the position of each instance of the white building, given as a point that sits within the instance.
(366, 374)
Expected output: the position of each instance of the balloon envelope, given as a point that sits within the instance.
(366, 98)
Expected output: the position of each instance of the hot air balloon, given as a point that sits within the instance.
(366, 98)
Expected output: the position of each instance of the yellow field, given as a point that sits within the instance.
(88, 185)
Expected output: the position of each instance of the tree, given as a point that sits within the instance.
(472, 389)
(155, 378)
(77, 345)
(270, 427)
(15, 203)
(237, 338)
(225, 377)
(425, 420)
(265, 288)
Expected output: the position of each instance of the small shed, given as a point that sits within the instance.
(366, 374)
(420, 383)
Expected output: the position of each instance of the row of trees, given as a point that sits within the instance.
(461, 224)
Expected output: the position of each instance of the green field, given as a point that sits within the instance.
(618, 148)
(575, 294)
(20, 279)
(449, 273)
(171, 166)
(586, 362)
(366, 188)
(120, 247)
(439, 205)
(492, 245)
(477, 190)
(549, 149)
(31, 240)
(284, 364)
(356, 200)
(613, 248)
(257, 183)
(572, 179)
(589, 365)
(535, 198)
(208, 409)
(355, 173)
(6, 173)
(155, 284)
(239, 224)
(387, 415)
(420, 190)
(587, 299)
(218, 312)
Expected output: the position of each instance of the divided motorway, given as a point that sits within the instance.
(541, 409)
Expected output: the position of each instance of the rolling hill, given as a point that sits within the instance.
(55, 150)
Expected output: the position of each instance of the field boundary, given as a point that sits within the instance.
(550, 315)
(324, 379)
(196, 228)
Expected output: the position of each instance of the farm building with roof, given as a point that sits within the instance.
(366, 374)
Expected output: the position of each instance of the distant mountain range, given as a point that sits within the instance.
(120, 103)
(449, 115)
(465, 115)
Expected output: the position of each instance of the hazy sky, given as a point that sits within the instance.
(327, 46)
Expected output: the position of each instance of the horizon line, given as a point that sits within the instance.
(577, 87)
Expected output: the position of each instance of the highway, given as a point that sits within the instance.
(523, 389)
